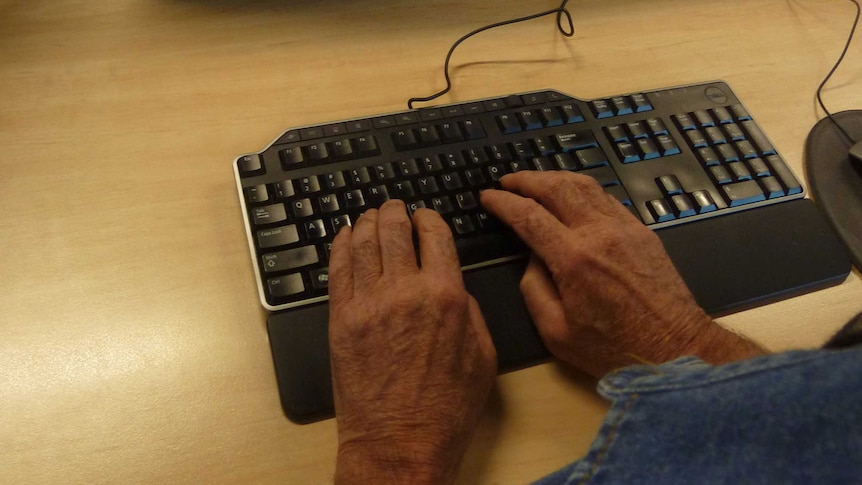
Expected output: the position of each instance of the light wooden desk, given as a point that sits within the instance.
(132, 343)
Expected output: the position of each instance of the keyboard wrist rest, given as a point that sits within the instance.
(729, 263)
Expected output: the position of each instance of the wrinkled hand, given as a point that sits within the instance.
(412, 360)
(600, 286)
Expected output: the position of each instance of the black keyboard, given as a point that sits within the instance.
(671, 156)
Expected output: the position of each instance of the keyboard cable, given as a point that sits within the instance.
(561, 11)
(835, 68)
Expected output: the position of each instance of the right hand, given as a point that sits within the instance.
(600, 287)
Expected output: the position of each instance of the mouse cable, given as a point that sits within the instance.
(561, 12)
(834, 68)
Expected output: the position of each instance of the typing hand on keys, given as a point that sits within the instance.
(599, 286)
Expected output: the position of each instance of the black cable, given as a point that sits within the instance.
(834, 68)
(560, 11)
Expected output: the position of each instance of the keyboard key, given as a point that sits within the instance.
(250, 165)
(740, 171)
(734, 132)
(758, 138)
(703, 118)
(638, 129)
(473, 108)
(628, 152)
(473, 129)
(377, 195)
(572, 113)
(311, 133)
(661, 210)
(715, 135)
(591, 157)
(452, 181)
(784, 174)
(542, 164)
(463, 224)
(335, 129)
(508, 124)
(334, 180)
(431, 164)
(301, 208)
(430, 114)
(496, 172)
(759, 167)
(533, 98)
(450, 133)
(291, 157)
(696, 139)
(617, 133)
(682, 205)
(443, 205)
(319, 278)
(498, 154)
(523, 149)
(456, 160)
(602, 109)
(339, 222)
(414, 206)
(315, 229)
(657, 126)
(407, 118)
(256, 194)
(284, 286)
(551, 117)
(740, 112)
(722, 115)
(359, 176)
(328, 203)
(404, 140)
(622, 106)
(720, 174)
(746, 149)
(269, 214)
(685, 121)
(428, 185)
(742, 193)
(342, 150)
(466, 201)
(309, 185)
(708, 156)
(641, 103)
(358, 126)
(668, 145)
(383, 172)
(669, 184)
(279, 236)
(408, 168)
(771, 187)
(494, 104)
(428, 136)
(403, 189)
(576, 140)
(530, 120)
(317, 152)
(452, 111)
(354, 199)
(727, 153)
(475, 178)
(703, 201)
(565, 161)
(367, 146)
(289, 259)
(648, 149)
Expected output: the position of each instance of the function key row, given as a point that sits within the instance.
(323, 152)
(442, 133)
(420, 115)
(536, 119)
(620, 106)
(712, 117)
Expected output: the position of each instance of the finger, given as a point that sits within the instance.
(365, 250)
(341, 268)
(543, 300)
(572, 198)
(395, 233)
(537, 227)
(436, 245)
(477, 320)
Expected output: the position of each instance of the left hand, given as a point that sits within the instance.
(412, 360)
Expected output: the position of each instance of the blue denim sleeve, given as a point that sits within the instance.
(791, 418)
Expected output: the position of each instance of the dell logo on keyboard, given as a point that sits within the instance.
(716, 95)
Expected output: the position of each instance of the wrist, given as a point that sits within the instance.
(716, 345)
(396, 462)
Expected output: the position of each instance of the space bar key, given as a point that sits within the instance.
(488, 247)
